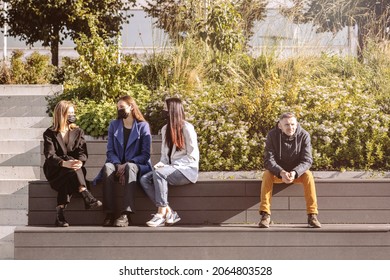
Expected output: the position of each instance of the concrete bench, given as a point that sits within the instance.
(212, 201)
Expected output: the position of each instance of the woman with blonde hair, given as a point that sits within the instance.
(65, 153)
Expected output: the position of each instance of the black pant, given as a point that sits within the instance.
(68, 183)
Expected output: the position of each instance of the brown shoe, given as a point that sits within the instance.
(265, 220)
(313, 221)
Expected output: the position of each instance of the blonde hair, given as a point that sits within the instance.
(60, 116)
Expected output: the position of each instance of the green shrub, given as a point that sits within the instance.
(5, 73)
(96, 80)
(94, 117)
(98, 75)
(348, 130)
(35, 69)
(342, 102)
(337, 101)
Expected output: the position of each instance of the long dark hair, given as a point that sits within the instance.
(174, 134)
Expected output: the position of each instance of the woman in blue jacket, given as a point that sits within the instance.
(128, 158)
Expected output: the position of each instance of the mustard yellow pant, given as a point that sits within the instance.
(306, 179)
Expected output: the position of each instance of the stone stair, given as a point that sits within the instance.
(23, 119)
(209, 242)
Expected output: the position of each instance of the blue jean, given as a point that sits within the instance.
(155, 183)
(110, 181)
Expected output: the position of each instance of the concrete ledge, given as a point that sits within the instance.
(336, 242)
(234, 201)
(32, 90)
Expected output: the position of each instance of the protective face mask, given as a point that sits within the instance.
(71, 119)
(122, 114)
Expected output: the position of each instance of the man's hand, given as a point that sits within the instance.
(292, 175)
(287, 177)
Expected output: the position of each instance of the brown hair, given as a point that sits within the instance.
(60, 116)
(174, 134)
(287, 115)
(136, 113)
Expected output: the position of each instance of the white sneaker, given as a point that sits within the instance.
(157, 221)
(172, 218)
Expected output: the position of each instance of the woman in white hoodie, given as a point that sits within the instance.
(179, 163)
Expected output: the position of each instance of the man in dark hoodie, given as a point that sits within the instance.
(287, 159)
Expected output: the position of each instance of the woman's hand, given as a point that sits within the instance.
(120, 170)
(120, 173)
(159, 165)
(72, 164)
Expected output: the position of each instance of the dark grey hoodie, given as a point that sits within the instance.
(288, 153)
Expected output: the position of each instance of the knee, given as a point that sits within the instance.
(142, 180)
(146, 179)
(131, 168)
(307, 175)
(268, 176)
(108, 169)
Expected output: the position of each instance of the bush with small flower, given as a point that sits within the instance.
(335, 99)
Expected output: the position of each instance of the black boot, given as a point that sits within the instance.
(60, 219)
(89, 201)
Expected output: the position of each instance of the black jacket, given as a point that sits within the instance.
(56, 151)
(288, 153)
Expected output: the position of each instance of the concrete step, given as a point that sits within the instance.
(25, 122)
(7, 242)
(7, 249)
(23, 119)
(13, 202)
(15, 101)
(20, 172)
(10, 186)
(22, 133)
(17, 146)
(29, 91)
(12, 217)
(23, 111)
(293, 242)
(25, 159)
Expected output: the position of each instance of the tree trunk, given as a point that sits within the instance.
(362, 37)
(54, 46)
(54, 53)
